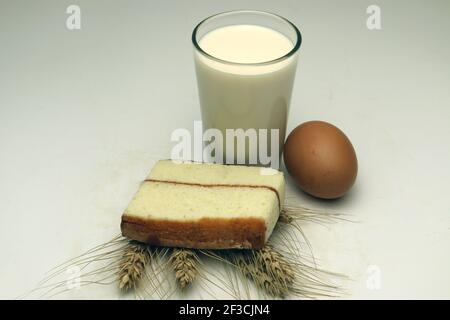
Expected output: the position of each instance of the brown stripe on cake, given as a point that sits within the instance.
(205, 233)
(220, 185)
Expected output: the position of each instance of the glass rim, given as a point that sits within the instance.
(283, 57)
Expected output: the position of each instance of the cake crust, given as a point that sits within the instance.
(206, 233)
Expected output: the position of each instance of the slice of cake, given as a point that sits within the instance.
(205, 206)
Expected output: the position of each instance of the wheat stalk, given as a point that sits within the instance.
(249, 267)
(292, 214)
(184, 264)
(267, 268)
(284, 217)
(132, 266)
(274, 264)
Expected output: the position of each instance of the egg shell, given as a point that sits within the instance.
(321, 159)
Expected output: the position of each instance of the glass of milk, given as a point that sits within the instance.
(245, 64)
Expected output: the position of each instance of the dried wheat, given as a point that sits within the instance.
(184, 263)
(134, 259)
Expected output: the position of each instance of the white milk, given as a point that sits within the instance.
(235, 93)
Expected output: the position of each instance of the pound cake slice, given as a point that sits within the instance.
(205, 206)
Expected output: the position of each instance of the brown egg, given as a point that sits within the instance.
(321, 159)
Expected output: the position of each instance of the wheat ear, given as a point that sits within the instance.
(284, 217)
(248, 265)
(275, 265)
(132, 266)
(185, 265)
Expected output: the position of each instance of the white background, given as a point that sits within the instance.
(85, 114)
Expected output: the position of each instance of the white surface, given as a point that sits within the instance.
(85, 114)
